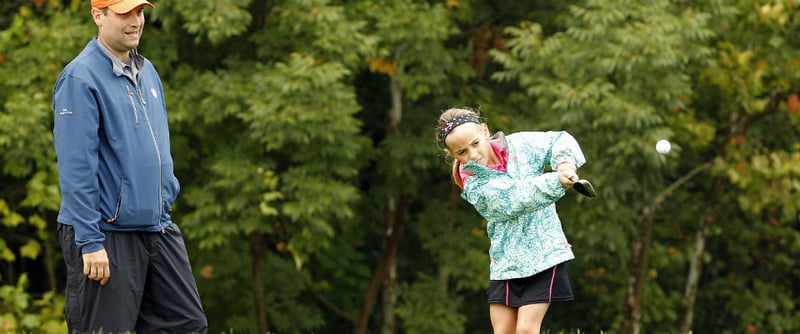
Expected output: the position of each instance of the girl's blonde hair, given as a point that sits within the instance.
(444, 119)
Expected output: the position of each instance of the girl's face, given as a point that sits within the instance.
(470, 142)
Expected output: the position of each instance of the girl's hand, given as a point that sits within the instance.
(568, 178)
(567, 174)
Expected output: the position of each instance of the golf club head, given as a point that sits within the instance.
(584, 187)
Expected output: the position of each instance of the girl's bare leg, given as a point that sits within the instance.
(529, 318)
(504, 318)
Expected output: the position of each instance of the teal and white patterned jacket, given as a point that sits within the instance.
(523, 226)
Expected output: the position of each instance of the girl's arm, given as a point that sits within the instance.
(495, 194)
(564, 148)
(498, 196)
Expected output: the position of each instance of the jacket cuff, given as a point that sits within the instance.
(91, 247)
(555, 183)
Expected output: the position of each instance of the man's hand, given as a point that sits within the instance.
(95, 266)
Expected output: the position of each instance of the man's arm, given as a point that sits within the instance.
(75, 130)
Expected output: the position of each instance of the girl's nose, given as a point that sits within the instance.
(475, 156)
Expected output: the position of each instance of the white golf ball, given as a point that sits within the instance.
(663, 146)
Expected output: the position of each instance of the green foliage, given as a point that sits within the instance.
(412, 38)
(337, 33)
(214, 20)
(26, 78)
(766, 183)
(28, 183)
(752, 86)
(458, 244)
(339, 277)
(287, 314)
(292, 111)
(227, 294)
(426, 308)
(302, 123)
(762, 305)
(20, 312)
(619, 79)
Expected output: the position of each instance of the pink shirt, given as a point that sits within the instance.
(501, 154)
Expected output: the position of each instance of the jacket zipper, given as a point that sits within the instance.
(158, 157)
(116, 209)
(133, 104)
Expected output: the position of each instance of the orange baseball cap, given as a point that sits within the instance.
(120, 6)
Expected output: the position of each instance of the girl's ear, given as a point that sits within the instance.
(485, 129)
(446, 151)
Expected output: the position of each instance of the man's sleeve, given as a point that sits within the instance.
(75, 131)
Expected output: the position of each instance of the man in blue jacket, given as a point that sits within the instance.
(127, 266)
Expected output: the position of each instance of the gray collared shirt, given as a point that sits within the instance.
(130, 69)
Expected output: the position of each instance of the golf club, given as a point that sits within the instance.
(584, 187)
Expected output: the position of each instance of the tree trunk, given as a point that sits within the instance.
(389, 325)
(50, 265)
(396, 111)
(391, 238)
(641, 244)
(631, 310)
(259, 298)
(696, 265)
(453, 200)
(693, 278)
(388, 322)
(395, 217)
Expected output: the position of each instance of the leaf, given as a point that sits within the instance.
(5, 253)
(215, 20)
(31, 249)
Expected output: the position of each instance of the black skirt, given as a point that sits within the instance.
(551, 285)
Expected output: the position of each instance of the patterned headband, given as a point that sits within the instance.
(455, 122)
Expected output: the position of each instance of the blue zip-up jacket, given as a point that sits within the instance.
(519, 204)
(112, 142)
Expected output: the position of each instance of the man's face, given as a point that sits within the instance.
(119, 33)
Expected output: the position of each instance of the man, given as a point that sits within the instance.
(127, 266)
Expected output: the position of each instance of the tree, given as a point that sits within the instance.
(411, 52)
(750, 92)
(314, 197)
(718, 119)
(614, 78)
(29, 195)
(285, 145)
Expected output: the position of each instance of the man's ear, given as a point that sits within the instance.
(96, 16)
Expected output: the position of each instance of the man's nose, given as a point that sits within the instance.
(136, 20)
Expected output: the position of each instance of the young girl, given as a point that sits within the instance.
(504, 178)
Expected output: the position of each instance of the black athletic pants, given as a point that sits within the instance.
(151, 288)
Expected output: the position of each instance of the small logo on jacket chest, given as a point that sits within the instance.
(154, 93)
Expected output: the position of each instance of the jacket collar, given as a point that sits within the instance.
(499, 139)
(117, 65)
